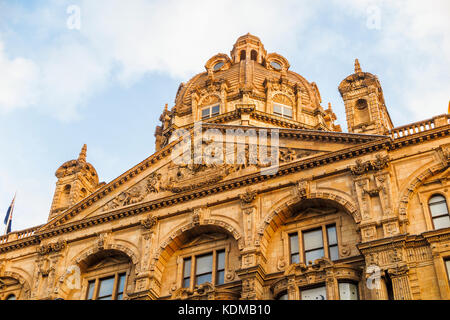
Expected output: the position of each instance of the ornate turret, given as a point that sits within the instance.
(364, 103)
(76, 180)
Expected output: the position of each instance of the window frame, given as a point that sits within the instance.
(435, 194)
(301, 245)
(215, 271)
(447, 268)
(102, 276)
(209, 107)
(283, 107)
(315, 286)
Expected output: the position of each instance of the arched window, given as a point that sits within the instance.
(439, 211)
(11, 297)
(243, 55)
(254, 55)
(105, 275)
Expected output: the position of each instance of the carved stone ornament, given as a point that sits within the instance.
(193, 176)
(149, 222)
(101, 241)
(302, 189)
(57, 246)
(373, 192)
(248, 197)
(137, 193)
(361, 167)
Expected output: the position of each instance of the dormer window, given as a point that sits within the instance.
(282, 111)
(210, 111)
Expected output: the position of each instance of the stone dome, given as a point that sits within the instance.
(249, 68)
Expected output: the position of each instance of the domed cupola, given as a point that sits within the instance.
(76, 180)
(250, 88)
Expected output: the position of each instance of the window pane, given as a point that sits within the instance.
(91, 287)
(204, 264)
(295, 258)
(437, 198)
(11, 297)
(105, 298)
(186, 283)
(334, 253)
(348, 291)
(332, 237)
(293, 240)
(313, 255)
(277, 109)
(221, 260)
(121, 283)
(220, 277)
(315, 294)
(106, 287)
(442, 222)
(215, 110)
(187, 268)
(204, 278)
(287, 112)
(438, 209)
(284, 296)
(218, 65)
(205, 113)
(313, 239)
(120, 296)
(447, 265)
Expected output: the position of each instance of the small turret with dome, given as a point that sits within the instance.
(76, 180)
(250, 87)
(365, 108)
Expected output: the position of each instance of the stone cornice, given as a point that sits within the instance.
(405, 240)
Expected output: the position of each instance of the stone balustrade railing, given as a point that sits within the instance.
(421, 126)
(17, 235)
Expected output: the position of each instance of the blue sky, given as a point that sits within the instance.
(106, 83)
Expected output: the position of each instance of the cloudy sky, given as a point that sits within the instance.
(104, 78)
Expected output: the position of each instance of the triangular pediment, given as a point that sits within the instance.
(164, 175)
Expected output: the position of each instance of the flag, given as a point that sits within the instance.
(8, 218)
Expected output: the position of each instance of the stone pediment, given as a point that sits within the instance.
(142, 184)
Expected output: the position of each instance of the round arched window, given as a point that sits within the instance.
(11, 297)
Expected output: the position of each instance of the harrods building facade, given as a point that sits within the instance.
(358, 215)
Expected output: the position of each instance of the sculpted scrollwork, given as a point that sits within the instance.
(57, 246)
(136, 193)
(361, 167)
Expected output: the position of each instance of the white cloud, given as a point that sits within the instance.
(122, 41)
(17, 80)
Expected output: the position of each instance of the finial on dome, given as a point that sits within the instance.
(357, 66)
(329, 106)
(82, 156)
